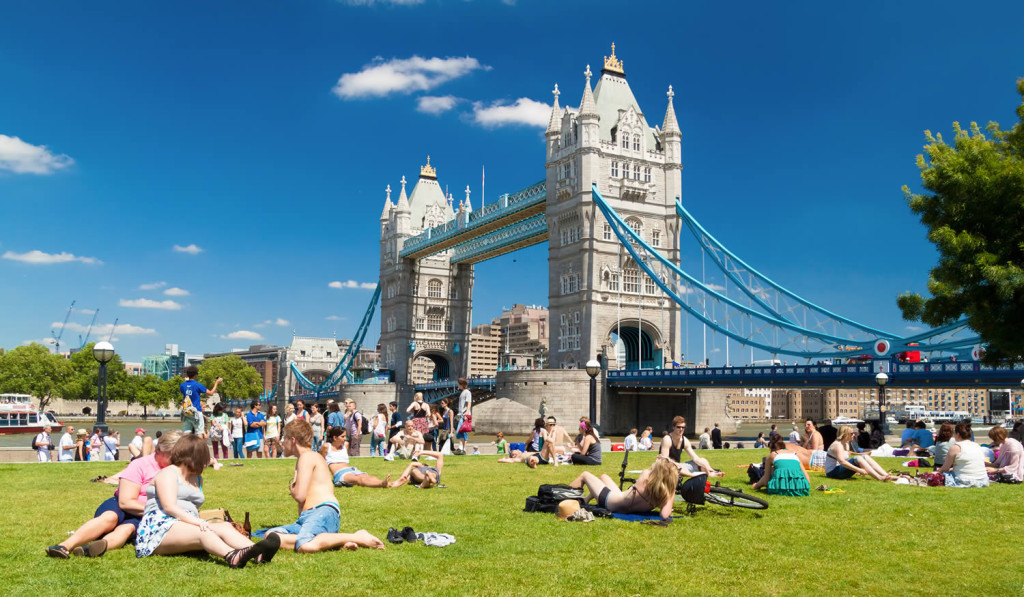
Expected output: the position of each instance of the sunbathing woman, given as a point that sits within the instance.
(674, 444)
(784, 474)
(422, 475)
(654, 490)
(335, 452)
(516, 456)
(839, 465)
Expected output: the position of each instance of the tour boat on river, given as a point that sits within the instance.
(19, 415)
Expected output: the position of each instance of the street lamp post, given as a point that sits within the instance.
(593, 368)
(881, 379)
(102, 352)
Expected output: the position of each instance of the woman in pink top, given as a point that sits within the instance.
(1011, 454)
(116, 519)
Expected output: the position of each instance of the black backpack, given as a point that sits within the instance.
(549, 495)
(365, 426)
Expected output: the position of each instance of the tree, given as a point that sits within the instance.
(975, 216)
(34, 370)
(83, 383)
(241, 381)
(150, 390)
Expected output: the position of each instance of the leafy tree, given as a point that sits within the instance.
(241, 381)
(151, 391)
(974, 213)
(34, 370)
(83, 383)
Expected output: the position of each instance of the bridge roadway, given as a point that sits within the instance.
(946, 374)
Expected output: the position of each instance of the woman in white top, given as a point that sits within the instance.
(272, 435)
(965, 461)
(238, 434)
(335, 452)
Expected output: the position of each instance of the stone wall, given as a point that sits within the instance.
(565, 393)
(368, 396)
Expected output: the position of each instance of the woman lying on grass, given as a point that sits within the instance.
(839, 464)
(654, 490)
(784, 474)
(335, 452)
(422, 475)
(171, 524)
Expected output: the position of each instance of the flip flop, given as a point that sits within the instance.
(58, 551)
(834, 490)
(92, 550)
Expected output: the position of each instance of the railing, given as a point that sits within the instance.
(509, 235)
(506, 204)
(473, 382)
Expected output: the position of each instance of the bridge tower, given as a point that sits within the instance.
(426, 304)
(597, 296)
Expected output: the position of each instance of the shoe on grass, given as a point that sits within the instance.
(58, 551)
(91, 550)
(409, 535)
(394, 536)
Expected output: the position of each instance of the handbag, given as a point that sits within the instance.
(467, 424)
(252, 440)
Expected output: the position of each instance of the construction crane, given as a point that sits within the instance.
(112, 328)
(81, 342)
(58, 335)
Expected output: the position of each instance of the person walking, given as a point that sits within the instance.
(316, 421)
(716, 438)
(42, 445)
(272, 433)
(66, 445)
(378, 429)
(238, 434)
(353, 426)
(465, 415)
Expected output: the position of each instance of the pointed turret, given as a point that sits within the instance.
(588, 107)
(403, 200)
(555, 123)
(468, 204)
(388, 206)
(670, 126)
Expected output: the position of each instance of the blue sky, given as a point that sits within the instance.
(204, 171)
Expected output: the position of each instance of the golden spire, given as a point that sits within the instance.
(428, 170)
(613, 64)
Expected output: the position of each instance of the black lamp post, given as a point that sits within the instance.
(593, 368)
(102, 352)
(881, 379)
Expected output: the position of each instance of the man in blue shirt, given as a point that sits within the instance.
(254, 424)
(192, 391)
(907, 437)
(923, 437)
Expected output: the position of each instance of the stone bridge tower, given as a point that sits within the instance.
(599, 299)
(426, 304)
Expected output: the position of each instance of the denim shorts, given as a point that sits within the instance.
(325, 518)
(112, 505)
(193, 423)
(340, 475)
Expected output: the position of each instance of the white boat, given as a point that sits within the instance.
(19, 415)
(845, 421)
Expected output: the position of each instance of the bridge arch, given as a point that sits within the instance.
(637, 344)
(441, 361)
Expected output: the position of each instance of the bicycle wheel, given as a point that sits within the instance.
(723, 496)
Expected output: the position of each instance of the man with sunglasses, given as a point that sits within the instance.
(675, 444)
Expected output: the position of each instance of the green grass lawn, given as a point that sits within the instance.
(874, 539)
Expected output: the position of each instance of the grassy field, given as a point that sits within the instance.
(874, 539)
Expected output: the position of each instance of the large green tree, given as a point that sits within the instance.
(34, 370)
(83, 383)
(974, 212)
(241, 381)
(151, 391)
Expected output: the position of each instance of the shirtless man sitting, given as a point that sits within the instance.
(317, 528)
(405, 442)
(675, 444)
(556, 440)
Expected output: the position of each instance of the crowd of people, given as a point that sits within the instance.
(156, 506)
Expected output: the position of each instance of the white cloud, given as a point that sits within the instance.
(334, 318)
(24, 158)
(403, 75)
(175, 291)
(47, 342)
(914, 328)
(353, 284)
(40, 258)
(143, 303)
(152, 285)
(85, 311)
(102, 330)
(242, 335)
(432, 104)
(375, 2)
(524, 111)
(191, 249)
(278, 321)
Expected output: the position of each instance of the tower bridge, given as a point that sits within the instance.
(609, 209)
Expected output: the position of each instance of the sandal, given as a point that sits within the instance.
(268, 548)
(58, 551)
(92, 550)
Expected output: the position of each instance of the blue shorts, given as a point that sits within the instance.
(340, 475)
(325, 518)
(841, 472)
(462, 435)
(111, 505)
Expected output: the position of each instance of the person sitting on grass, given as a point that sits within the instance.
(944, 440)
(675, 444)
(784, 474)
(405, 442)
(588, 445)
(839, 464)
(655, 489)
(923, 438)
(554, 439)
(335, 452)
(536, 440)
(422, 475)
(117, 518)
(1010, 461)
(965, 462)
(317, 528)
(500, 445)
(171, 524)
(646, 443)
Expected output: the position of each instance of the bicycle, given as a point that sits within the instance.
(697, 491)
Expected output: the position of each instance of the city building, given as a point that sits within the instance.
(484, 349)
(167, 365)
(524, 332)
